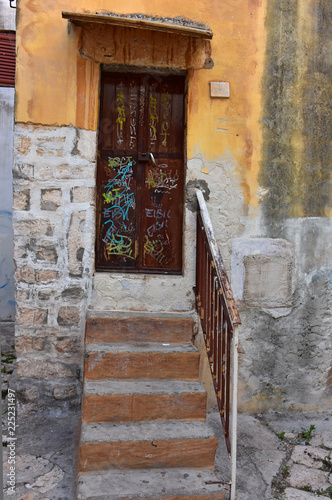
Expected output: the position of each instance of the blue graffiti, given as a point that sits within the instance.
(3, 286)
(121, 200)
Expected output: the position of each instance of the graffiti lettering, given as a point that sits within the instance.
(120, 245)
(133, 114)
(117, 194)
(160, 249)
(157, 179)
(153, 119)
(121, 112)
(118, 162)
(158, 214)
(141, 105)
(157, 226)
(166, 111)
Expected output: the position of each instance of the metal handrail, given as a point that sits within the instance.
(220, 321)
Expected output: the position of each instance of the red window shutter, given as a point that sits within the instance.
(7, 59)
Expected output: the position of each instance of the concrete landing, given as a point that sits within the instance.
(147, 484)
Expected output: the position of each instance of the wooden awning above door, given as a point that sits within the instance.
(80, 18)
(142, 41)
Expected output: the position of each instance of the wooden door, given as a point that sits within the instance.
(140, 177)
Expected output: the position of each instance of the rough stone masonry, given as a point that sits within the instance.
(54, 212)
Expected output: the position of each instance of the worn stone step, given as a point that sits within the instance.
(152, 445)
(139, 329)
(167, 484)
(134, 401)
(141, 361)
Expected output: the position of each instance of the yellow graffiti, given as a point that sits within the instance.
(159, 179)
(154, 247)
(153, 117)
(166, 103)
(121, 109)
(120, 245)
(150, 181)
(157, 249)
(112, 195)
(118, 163)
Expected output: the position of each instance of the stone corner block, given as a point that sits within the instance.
(263, 272)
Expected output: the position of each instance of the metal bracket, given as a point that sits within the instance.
(143, 157)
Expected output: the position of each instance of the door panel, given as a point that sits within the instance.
(139, 195)
(162, 241)
(117, 194)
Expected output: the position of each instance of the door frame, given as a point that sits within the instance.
(115, 69)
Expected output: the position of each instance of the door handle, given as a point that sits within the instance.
(147, 157)
(152, 159)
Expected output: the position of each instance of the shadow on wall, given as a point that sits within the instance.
(7, 302)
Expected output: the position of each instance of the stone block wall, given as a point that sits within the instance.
(53, 217)
(283, 287)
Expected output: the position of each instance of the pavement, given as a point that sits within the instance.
(275, 461)
(278, 458)
(280, 455)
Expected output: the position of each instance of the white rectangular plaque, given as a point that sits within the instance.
(219, 89)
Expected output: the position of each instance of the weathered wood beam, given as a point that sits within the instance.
(81, 18)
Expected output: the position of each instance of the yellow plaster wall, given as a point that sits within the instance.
(55, 85)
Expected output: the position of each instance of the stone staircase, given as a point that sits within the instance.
(144, 434)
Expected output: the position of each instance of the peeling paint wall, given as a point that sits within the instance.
(296, 164)
(286, 351)
(261, 156)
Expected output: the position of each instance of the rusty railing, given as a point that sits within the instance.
(220, 321)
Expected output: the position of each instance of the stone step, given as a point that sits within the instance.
(134, 401)
(167, 484)
(147, 360)
(152, 445)
(139, 329)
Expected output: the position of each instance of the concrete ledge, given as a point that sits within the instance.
(147, 431)
(170, 387)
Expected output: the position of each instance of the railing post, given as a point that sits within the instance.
(234, 410)
(220, 321)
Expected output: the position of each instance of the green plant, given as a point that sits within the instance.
(286, 470)
(327, 466)
(306, 433)
(7, 358)
(328, 491)
(281, 435)
(307, 487)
